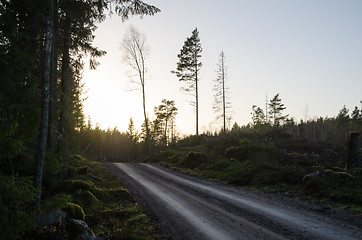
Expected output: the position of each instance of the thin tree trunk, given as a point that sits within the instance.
(223, 90)
(166, 135)
(197, 100)
(352, 151)
(148, 140)
(65, 85)
(45, 100)
(52, 85)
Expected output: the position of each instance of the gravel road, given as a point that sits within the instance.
(190, 208)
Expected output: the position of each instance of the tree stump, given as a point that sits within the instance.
(352, 151)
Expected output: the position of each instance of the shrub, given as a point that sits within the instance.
(193, 160)
(238, 152)
(220, 165)
(238, 173)
(74, 185)
(194, 140)
(169, 156)
(59, 201)
(17, 197)
(314, 186)
(244, 142)
(291, 176)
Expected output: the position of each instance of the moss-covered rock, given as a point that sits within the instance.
(75, 211)
(340, 177)
(88, 198)
(78, 229)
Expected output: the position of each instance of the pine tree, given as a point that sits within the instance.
(276, 108)
(165, 114)
(132, 132)
(258, 116)
(188, 69)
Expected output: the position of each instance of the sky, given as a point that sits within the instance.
(310, 52)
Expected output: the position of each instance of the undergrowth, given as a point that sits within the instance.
(279, 165)
(91, 193)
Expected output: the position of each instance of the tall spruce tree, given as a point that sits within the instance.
(188, 69)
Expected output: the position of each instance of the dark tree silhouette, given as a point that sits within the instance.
(165, 114)
(276, 108)
(188, 69)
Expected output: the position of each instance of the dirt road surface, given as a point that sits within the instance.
(190, 208)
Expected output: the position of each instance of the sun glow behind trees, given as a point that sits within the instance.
(298, 49)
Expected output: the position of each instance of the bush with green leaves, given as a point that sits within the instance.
(17, 199)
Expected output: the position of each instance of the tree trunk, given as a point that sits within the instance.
(223, 90)
(166, 135)
(65, 110)
(52, 84)
(197, 99)
(148, 140)
(352, 151)
(45, 100)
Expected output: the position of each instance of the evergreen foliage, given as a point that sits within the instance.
(17, 196)
(165, 117)
(41, 64)
(188, 69)
(276, 108)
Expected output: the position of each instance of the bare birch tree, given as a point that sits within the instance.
(136, 52)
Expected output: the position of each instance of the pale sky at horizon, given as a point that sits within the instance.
(310, 52)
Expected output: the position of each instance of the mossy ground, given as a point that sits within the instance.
(95, 195)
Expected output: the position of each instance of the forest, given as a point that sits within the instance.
(51, 157)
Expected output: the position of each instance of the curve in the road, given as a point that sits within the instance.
(220, 212)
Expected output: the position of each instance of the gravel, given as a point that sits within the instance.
(186, 207)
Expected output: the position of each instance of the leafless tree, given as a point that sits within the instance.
(136, 52)
(221, 91)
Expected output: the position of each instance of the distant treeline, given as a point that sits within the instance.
(330, 130)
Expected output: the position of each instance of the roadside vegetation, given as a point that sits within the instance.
(271, 160)
(90, 202)
(49, 187)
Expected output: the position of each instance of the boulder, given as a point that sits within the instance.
(51, 218)
(313, 175)
(79, 230)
